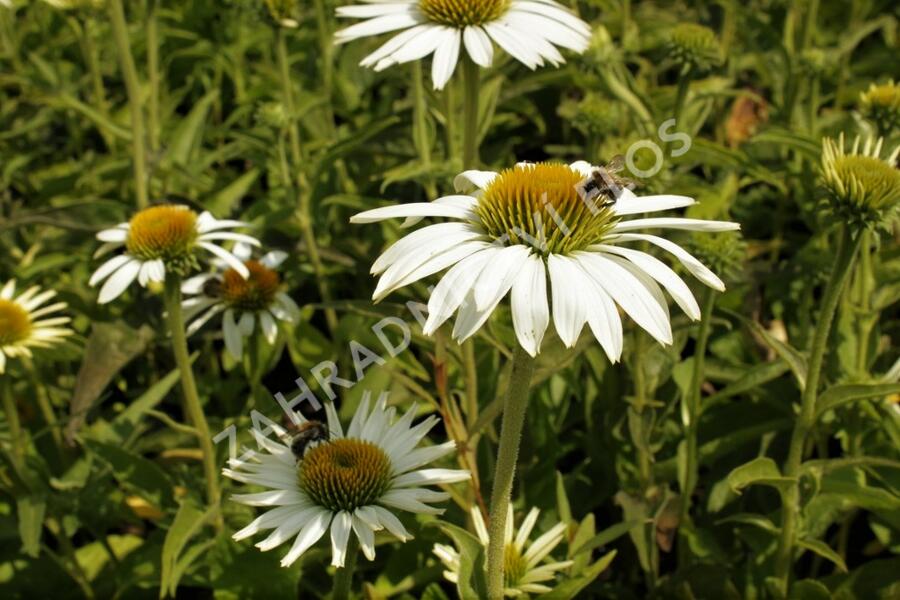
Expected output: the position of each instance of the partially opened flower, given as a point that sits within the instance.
(257, 299)
(26, 324)
(531, 221)
(159, 239)
(354, 481)
(863, 188)
(529, 30)
(523, 572)
(881, 105)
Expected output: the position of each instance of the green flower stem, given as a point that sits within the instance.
(46, 408)
(303, 191)
(684, 84)
(692, 403)
(16, 440)
(343, 578)
(133, 88)
(421, 137)
(805, 421)
(152, 32)
(189, 388)
(326, 47)
(471, 93)
(514, 407)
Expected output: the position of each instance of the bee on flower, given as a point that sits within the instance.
(246, 303)
(354, 483)
(529, 232)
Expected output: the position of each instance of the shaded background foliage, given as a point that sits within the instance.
(125, 501)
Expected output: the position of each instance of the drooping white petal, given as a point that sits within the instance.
(675, 223)
(696, 268)
(570, 293)
(311, 533)
(233, 339)
(414, 209)
(445, 56)
(630, 204)
(119, 281)
(340, 534)
(478, 46)
(530, 310)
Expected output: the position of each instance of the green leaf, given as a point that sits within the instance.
(848, 392)
(570, 588)
(562, 500)
(224, 201)
(755, 377)
(187, 522)
(609, 535)
(810, 589)
(794, 358)
(471, 584)
(823, 550)
(751, 519)
(135, 472)
(759, 471)
(188, 133)
(110, 347)
(31, 511)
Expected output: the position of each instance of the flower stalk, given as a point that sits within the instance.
(471, 93)
(152, 32)
(189, 388)
(302, 187)
(803, 425)
(514, 407)
(692, 403)
(343, 576)
(133, 89)
(16, 440)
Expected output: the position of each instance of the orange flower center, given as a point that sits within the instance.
(15, 323)
(257, 292)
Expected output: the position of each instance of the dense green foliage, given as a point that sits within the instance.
(110, 498)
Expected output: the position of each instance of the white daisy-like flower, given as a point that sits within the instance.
(354, 481)
(531, 221)
(25, 324)
(529, 30)
(523, 572)
(161, 238)
(258, 298)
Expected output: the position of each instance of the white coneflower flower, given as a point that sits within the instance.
(258, 298)
(355, 480)
(23, 325)
(533, 220)
(529, 30)
(863, 188)
(523, 572)
(160, 238)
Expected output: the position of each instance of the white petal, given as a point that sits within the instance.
(450, 233)
(659, 271)
(246, 323)
(233, 341)
(340, 534)
(101, 273)
(430, 477)
(570, 292)
(391, 523)
(9, 288)
(530, 310)
(696, 268)
(116, 235)
(629, 204)
(194, 285)
(629, 293)
(230, 259)
(676, 223)
(414, 209)
(432, 257)
(273, 259)
(366, 536)
(118, 281)
(309, 535)
(499, 275)
(395, 44)
(603, 319)
(478, 46)
(445, 56)
(269, 328)
(471, 180)
(376, 26)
